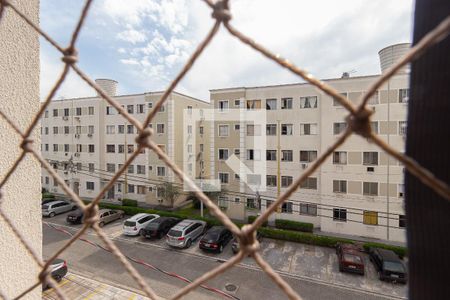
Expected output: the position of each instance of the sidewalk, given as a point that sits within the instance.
(78, 287)
(358, 238)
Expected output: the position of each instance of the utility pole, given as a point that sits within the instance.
(125, 152)
(278, 163)
(389, 159)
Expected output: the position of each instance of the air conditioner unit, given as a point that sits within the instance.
(89, 134)
(370, 169)
(65, 118)
(304, 166)
(77, 154)
(77, 136)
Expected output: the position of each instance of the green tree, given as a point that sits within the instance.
(169, 192)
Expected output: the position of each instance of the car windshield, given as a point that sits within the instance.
(211, 236)
(45, 206)
(130, 223)
(393, 266)
(352, 258)
(152, 225)
(175, 233)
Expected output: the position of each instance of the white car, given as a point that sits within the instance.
(136, 223)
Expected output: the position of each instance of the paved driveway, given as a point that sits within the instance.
(292, 259)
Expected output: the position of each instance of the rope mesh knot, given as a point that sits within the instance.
(221, 11)
(70, 56)
(43, 275)
(143, 139)
(27, 145)
(91, 214)
(247, 241)
(360, 122)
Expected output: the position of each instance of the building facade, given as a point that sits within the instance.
(357, 191)
(87, 141)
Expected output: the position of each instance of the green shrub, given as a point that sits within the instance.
(293, 225)
(129, 202)
(252, 219)
(48, 196)
(400, 251)
(302, 237)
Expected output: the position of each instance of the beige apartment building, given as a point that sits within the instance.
(87, 141)
(357, 191)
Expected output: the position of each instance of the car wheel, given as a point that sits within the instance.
(140, 232)
(188, 243)
(221, 249)
(379, 276)
(57, 278)
(160, 235)
(101, 224)
(52, 215)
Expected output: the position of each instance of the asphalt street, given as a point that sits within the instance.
(249, 281)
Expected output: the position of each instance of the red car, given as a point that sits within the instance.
(350, 259)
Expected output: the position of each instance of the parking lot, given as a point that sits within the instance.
(290, 259)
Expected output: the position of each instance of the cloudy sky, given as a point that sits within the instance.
(143, 44)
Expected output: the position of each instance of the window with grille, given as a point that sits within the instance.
(223, 130)
(271, 180)
(91, 148)
(401, 221)
(131, 188)
(110, 129)
(286, 181)
(91, 129)
(224, 178)
(370, 217)
(308, 155)
(370, 158)
(374, 126)
(110, 148)
(140, 108)
(286, 207)
(339, 186)
(339, 127)
(120, 148)
(253, 154)
(271, 104)
(91, 110)
(340, 214)
(308, 209)
(161, 171)
(308, 129)
(374, 99)
(403, 95)
(309, 183)
(223, 105)
(286, 155)
(308, 102)
(55, 112)
(110, 110)
(131, 169)
(78, 111)
(159, 128)
(339, 157)
(271, 155)
(286, 103)
(251, 203)
(130, 129)
(111, 168)
(223, 202)
(130, 149)
(286, 129)
(370, 188)
(55, 130)
(402, 128)
(66, 112)
(140, 169)
(271, 129)
(90, 185)
(223, 154)
(55, 147)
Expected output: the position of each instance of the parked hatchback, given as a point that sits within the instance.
(75, 217)
(159, 227)
(215, 239)
(57, 207)
(350, 259)
(135, 224)
(388, 265)
(109, 215)
(182, 234)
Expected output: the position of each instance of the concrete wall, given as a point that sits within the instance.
(19, 99)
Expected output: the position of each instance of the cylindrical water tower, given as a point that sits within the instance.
(108, 85)
(391, 54)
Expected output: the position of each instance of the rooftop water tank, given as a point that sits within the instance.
(108, 85)
(391, 54)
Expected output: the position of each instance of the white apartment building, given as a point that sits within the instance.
(357, 191)
(87, 141)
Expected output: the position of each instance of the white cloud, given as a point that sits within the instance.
(133, 36)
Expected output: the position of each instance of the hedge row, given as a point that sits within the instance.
(252, 219)
(48, 196)
(400, 251)
(293, 225)
(129, 202)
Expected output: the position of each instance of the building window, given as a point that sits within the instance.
(222, 202)
(271, 180)
(370, 188)
(339, 186)
(47, 180)
(46, 114)
(237, 177)
(336, 101)
(111, 168)
(121, 129)
(286, 207)
(91, 129)
(189, 148)
(370, 158)
(66, 129)
(237, 126)
(308, 102)
(224, 178)
(403, 95)
(253, 154)
(130, 148)
(78, 111)
(251, 203)
(309, 183)
(374, 99)
(89, 185)
(286, 155)
(223, 105)
(223, 154)
(46, 147)
(402, 128)
(140, 108)
(55, 147)
(110, 129)
(200, 130)
(141, 189)
(91, 167)
(253, 104)
(55, 130)
(340, 214)
(401, 221)
(110, 148)
(286, 181)
(286, 129)
(162, 108)
(201, 146)
(237, 151)
(308, 156)
(160, 192)
(131, 188)
(271, 104)
(46, 130)
(374, 126)
(91, 148)
(109, 110)
(131, 169)
(140, 169)
(66, 148)
(339, 127)
(339, 158)
(120, 148)
(79, 148)
(308, 129)
(91, 110)
(55, 112)
(237, 103)
(130, 129)
(253, 130)
(159, 128)
(189, 129)
(286, 103)
(223, 130)
(237, 200)
(271, 155)
(370, 217)
(161, 171)
(66, 112)
(271, 129)
(150, 105)
(308, 209)
(78, 129)
(401, 190)
(130, 109)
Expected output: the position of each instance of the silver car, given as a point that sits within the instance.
(182, 234)
(53, 208)
(109, 215)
